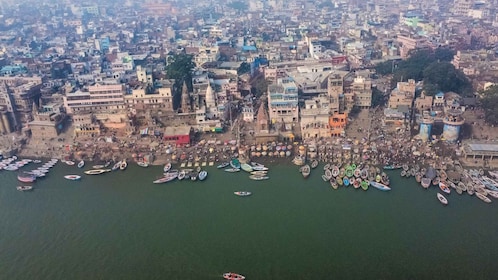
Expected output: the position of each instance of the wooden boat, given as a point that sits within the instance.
(143, 164)
(26, 178)
(425, 182)
(70, 163)
(493, 174)
(223, 165)
(167, 167)
(403, 173)
(345, 181)
(261, 173)
(384, 179)
(391, 167)
(81, 164)
(328, 174)
(339, 181)
(259, 168)
(436, 181)
(327, 166)
(72, 177)
(242, 193)
(96, 171)
(194, 175)
(364, 185)
(235, 163)
(493, 194)
(305, 171)
(357, 173)
(246, 167)
(444, 187)
(483, 197)
(364, 173)
(258, 178)
(324, 178)
(378, 178)
(356, 183)
(333, 183)
(164, 179)
(418, 177)
(123, 165)
(24, 188)
(442, 199)
(99, 166)
(232, 170)
(181, 175)
(202, 175)
(349, 172)
(335, 171)
(233, 276)
(314, 164)
(379, 186)
(116, 166)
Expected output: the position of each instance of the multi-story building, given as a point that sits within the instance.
(408, 43)
(206, 54)
(362, 92)
(402, 95)
(335, 89)
(16, 102)
(283, 103)
(315, 117)
(98, 98)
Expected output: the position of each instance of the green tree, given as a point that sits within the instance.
(244, 68)
(489, 102)
(444, 54)
(180, 68)
(377, 97)
(259, 86)
(442, 76)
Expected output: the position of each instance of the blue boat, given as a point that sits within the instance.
(235, 163)
(379, 186)
(345, 180)
(391, 167)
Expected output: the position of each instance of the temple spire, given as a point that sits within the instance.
(185, 104)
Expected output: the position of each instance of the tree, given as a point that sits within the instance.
(259, 86)
(244, 68)
(442, 76)
(180, 68)
(444, 54)
(377, 97)
(489, 102)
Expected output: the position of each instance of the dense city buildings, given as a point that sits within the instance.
(107, 67)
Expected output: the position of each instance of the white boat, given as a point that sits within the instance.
(305, 171)
(258, 178)
(68, 162)
(81, 164)
(261, 173)
(24, 188)
(442, 199)
(444, 187)
(233, 276)
(259, 168)
(167, 167)
(202, 175)
(98, 166)
(96, 171)
(242, 193)
(143, 164)
(181, 175)
(164, 179)
(246, 167)
(379, 186)
(72, 177)
(314, 164)
(493, 174)
(116, 166)
(232, 170)
(493, 194)
(483, 197)
(123, 164)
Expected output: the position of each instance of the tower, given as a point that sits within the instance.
(210, 97)
(185, 102)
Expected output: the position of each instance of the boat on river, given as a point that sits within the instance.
(259, 168)
(232, 170)
(242, 193)
(26, 178)
(233, 276)
(116, 166)
(258, 178)
(143, 164)
(305, 171)
(379, 186)
(202, 175)
(246, 167)
(164, 179)
(364, 185)
(24, 188)
(235, 163)
(96, 171)
(335, 171)
(333, 183)
(444, 187)
(72, 177)
(425, 182)
(314, 164)
(345, 181)
(483, 197)
(442, 199)
(123, 164)
(223, 165)
(70, 163)
(167, 167)
(81, 164)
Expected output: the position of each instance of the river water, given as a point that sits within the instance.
(121, 226)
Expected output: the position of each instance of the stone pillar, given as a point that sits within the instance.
(2, 126)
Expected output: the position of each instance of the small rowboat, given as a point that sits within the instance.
(379, 186)
(232, 170)
(483, 197)
(222, 165)
(258, 178)
(72, 177)
(444, 187)
(143, 164)
(96, 171)
(24, 188)
(314, 164)
(202, 175)
(233, 276)
(242, 193)
(167, 167)
(70, 163)
(81, 164)
(442, 199)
